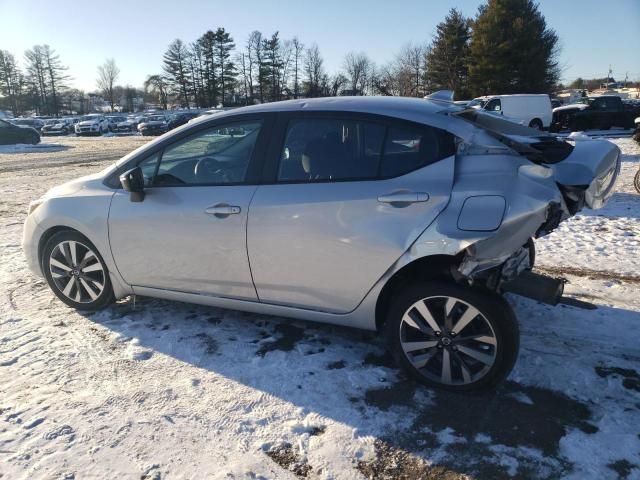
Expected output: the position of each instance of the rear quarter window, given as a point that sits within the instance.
(410, 148)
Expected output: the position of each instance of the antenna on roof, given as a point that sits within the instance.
(441, 96)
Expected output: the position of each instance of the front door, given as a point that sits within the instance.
(349, 196)
(189, 232)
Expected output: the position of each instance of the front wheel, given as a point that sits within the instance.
(636, 181)
(76, 272)
(453, 337)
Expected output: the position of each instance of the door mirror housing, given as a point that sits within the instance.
(132, 181)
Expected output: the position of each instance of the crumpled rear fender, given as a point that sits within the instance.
(497, 203)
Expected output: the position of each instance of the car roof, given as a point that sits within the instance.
(412, 109)
(373, 104)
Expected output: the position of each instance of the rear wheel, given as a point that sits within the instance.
(76, 272)
(636, 181)
(453, 337)
(536, 123)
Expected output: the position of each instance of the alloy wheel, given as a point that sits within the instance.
(77, 272)
(448, 340)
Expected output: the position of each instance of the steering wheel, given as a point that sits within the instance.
(209, 169)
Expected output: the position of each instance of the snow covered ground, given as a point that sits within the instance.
(159, 389)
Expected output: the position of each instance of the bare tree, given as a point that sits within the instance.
(412, 62)
(298, 49)
(357, 67)
(37, 77)
(10, 80)
(313, 66)
(108, 74)
(157, 85)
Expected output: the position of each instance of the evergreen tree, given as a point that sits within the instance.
(56, 76)
(226, 68)
(209, 72)
(512, 50)
(271, 66)
(176, 69)
(447, 60)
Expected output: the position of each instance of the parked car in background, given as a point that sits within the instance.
(59, 126)
(533, 111)
(11, 134)
(178, 119)
(154, 125)
(129, 124)
(400, 215)
(114, 120)
(34, 123)
(600, 113)
(92, 124)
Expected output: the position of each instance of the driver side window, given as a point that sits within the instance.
(494, 105)
(215, 156)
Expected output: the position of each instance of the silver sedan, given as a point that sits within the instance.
(410, 217)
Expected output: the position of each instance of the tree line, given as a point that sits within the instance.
(506, 48)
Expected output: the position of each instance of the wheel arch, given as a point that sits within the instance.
(50, 232)
(120, 287)
(432, 267)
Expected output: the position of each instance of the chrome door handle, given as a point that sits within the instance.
(404, 197)
(222, 210)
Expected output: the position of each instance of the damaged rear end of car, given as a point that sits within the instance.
(512, 186)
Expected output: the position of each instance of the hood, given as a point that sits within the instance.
(87, 123)
(572, 106)
(74, 186)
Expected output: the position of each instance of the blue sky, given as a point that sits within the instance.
(593, 34)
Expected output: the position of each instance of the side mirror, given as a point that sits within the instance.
(133, 182)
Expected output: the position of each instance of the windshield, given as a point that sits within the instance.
(90, 118)
(155, 118)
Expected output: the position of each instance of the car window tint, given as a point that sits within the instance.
(330, 149)
(409, 148)
(3, 124)
(217, 155)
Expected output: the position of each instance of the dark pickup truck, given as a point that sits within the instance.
(600, 113)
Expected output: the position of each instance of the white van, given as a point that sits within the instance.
(530, 110)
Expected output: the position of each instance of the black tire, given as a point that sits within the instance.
(495, 316)
(105, 296)
(636, 181)
(536, 123)
(35, 139)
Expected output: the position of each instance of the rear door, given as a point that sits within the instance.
(345, 196)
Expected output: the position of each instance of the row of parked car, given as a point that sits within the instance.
(537, 111)
(29, 130)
